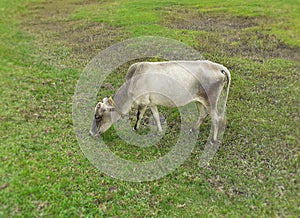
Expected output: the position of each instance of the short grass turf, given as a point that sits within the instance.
(44, 47)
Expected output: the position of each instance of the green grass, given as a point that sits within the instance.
(137, 16)
(45, 45)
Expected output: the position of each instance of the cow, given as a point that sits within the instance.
(169, 84)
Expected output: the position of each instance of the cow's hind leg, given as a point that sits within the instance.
(203, 113)
(218, 125)
(156, 117)
(139, 116)
(217, 118)
(215, 125)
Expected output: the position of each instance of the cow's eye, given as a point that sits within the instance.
(97, 116)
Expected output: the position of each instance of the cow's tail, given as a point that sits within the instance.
(227, 73)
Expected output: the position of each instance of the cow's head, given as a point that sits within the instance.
(102, 117)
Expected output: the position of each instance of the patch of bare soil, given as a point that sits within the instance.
(190, 20)
(233, 35)
(49, 22)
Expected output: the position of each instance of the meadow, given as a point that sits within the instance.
(44, 48)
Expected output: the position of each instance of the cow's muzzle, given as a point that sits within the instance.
(94, 130)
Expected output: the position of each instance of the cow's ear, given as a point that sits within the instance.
(105, 100)
(107, 107)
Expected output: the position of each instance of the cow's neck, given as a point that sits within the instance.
(122, 99)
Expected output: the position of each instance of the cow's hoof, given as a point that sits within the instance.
(193, 131)
(215, 142)
(93, 134)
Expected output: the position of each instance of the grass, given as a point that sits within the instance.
(43, 49)
(120, 13)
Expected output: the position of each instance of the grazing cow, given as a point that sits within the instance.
(171, 83)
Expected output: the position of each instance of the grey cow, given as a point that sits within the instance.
(170, 84)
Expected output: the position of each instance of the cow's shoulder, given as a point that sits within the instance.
(137, 69)
(132, 70)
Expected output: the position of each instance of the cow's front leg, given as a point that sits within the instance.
(156, 117)
(139, 116)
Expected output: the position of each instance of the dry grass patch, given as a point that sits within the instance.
(234, 35)
(50, 24)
